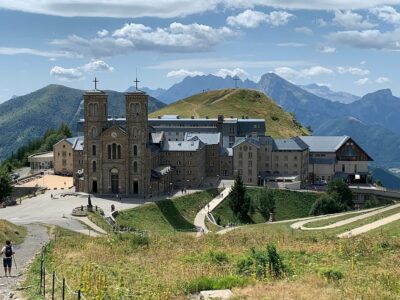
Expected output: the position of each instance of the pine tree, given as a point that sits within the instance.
(5, 184)
(238, 201)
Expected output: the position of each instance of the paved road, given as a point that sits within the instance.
(371, 226)
(369, 213)
(24, 253)
(57, 211)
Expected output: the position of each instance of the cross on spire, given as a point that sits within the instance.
(136, 83)
(236, 80)
(95, 83)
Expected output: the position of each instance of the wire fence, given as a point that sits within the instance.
(50, 283)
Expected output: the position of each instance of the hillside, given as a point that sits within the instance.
(27, 117)
(237, 103)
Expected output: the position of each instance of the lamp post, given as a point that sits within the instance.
(170, 188)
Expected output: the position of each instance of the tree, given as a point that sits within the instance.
(238, 201)
(65, 131)
(266, 202)
(326, 204)
(5, 184)
(344, 194)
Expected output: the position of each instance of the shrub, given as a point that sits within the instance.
(259, 263)
(218, 257)
(332, 274)
(326, 204)
(265, 202)
(214, 283)
(342, 192)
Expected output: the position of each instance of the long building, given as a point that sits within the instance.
(139, 156)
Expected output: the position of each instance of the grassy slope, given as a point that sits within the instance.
(9, 231)
(167, 215)
(237, 102)
(289, 205)
(172, 265)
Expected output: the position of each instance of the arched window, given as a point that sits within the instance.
(135, 167)
(94, 166)
(114, 151)
(135, 108)
(96, 109)
(94, 132)
(109, 152)
(94, 150)
(119, 152)
(135, 150)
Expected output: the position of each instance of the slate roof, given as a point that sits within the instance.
(76, 142)
(251, 140)
(206, 138)
(157, 137)
(292, 144)
(182, 145)
(324, 143)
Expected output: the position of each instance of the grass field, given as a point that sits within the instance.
(167, 215)
(9, 231)
(237, 103)
(289, 205)
(170, 266)
(326, 222)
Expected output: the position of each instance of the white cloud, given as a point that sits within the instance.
(363, 62)
(30, 51)
(350, 20)
(304, 30)
(316, 71)
(353, 71)
(97, 66)
(326, 49)
(181, 73)
(64, 74)
(382, 80)
(219, 63)
(251, 18)
(321, 22)
(362, 81)
(176, 37)
(102, 33)
(387, 14)
(232, 72)
(173, 8)
(69, 74)
(291, 44)
(368, 39)
(290, 73)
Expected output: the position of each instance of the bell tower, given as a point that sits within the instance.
(136, 103)
(95, 115)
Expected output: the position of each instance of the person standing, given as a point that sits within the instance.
(7, 252)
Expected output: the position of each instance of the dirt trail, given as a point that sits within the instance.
(24, 253)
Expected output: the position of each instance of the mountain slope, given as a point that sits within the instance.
(29, 116)
(198, 84)
(237, 103)
(325, 92)
(308, 108)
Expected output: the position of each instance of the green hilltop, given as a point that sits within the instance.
(237, 103)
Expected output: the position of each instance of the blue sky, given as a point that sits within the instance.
(348, 45)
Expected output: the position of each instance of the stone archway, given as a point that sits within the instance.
(114, 180)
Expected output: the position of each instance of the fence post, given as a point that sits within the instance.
(79, 294)
(41, 274)
(44, 282)
(52, 285)
(63, 289)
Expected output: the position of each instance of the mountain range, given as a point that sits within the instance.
(371, 119)
(27, 117)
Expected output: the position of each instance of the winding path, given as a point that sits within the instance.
(199, 220)
(370, 212)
